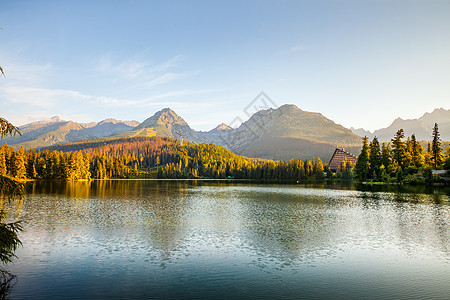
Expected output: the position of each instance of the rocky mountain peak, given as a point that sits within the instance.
(223, 127)
(165, 117)
(289, 107)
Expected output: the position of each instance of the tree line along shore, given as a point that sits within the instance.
(399, 161)
(153, 157)
(403, 161)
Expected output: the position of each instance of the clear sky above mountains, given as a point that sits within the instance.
(360, 63)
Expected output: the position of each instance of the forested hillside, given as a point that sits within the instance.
(153, 157)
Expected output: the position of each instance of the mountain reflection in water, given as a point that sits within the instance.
(195, 239)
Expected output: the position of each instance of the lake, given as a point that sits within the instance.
(189, 239)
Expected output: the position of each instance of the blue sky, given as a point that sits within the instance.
(360, 63)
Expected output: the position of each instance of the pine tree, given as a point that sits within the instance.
(72, 171)
(429, 156)
(318, 169)
(343, 165)
(31, 162)
(398, 148)
(347, 170)
(309, 167)
(417, 152)
(41, 166)
(375, 159)
(436, 150)
(386, 155)
(362, 165)
(408, 159)
(400, 175)
(19, 168)
(3, 168)
(136, 172)
(84, 166)
(383, 175)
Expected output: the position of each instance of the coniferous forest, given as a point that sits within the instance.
(402, 161)
(399, 161)
(152, 157)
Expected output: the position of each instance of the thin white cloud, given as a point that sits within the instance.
(165, 65)
(164, 78)
(49, 98)
(139, 71)
(33, 97)
(28, 93)
(293, 49)
(28, 83)
(26, 73)
(129, 69)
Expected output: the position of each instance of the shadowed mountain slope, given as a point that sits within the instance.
(289, 132)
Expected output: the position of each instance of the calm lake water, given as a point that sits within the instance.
(144, 239)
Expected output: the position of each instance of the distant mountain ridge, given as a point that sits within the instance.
(421, 127)
(56, 131)
(282, 133)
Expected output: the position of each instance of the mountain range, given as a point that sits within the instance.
(56, 131)
(283, 133)
(421, 127)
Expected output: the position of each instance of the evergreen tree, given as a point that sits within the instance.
(400, 175)
(375, 159)
(172, 161)
(71, 172)
(41, 167)
(3, 168)
(6, 128)
(31, 162)
(408, 159)
(327, 171)
(417, 152)
(343, 165)
(428, 174)
(19, 167)
(398, 148)
(135, 171)
(309, 167)
(83, 166)
(318, 169)
(383, 174)
(347, 170)
(386, 155)
(362, 165)
(436, 150)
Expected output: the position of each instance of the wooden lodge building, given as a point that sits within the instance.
(338, 157)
